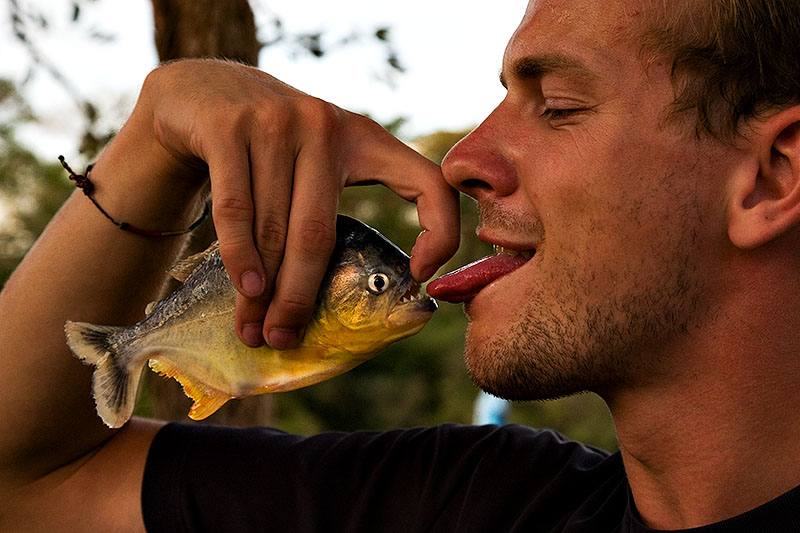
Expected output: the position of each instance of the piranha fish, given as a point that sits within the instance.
(368, 300)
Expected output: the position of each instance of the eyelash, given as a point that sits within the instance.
(556, 113)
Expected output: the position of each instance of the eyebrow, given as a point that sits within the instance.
(534, 67)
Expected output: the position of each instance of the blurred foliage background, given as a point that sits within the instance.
(418, 381)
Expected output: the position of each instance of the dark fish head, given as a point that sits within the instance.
(368, 292)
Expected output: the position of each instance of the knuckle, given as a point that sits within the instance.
(274, 123)
(367, 128)
(270, 239)
(295, 307)
(235, 254)
(231, 119)
(366, 122)
(153, 78)
(232, 209)
(167, 72)
(452, 240)
(323, 118)
(316, 239)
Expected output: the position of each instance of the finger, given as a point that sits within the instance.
(417, 179)
(229, 168)
(439, 218)
(272, 168)
(249, 320)
(310, 240)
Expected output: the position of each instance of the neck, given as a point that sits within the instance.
(721, 438)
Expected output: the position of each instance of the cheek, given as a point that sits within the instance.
(613, 204)
(603, 241)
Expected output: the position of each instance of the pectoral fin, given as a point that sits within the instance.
(206, 399)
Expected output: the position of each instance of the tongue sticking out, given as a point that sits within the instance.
(464, 283)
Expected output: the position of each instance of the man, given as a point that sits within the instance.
(647, 152)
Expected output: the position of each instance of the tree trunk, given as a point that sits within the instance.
(205, 28)
(215, 29)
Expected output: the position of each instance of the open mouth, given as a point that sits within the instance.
(525, 254)
(413, 307)
(413, 293)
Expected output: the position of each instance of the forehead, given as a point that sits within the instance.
(595, 35)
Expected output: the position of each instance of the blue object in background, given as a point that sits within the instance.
(490, 410)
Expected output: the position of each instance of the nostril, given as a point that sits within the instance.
(474, 184)
(480, 164)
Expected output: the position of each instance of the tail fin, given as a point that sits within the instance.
(114, 386)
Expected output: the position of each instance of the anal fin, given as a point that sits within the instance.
(206, 406)
(206, 399)
(163, 368)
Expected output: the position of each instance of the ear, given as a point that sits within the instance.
(764, 200)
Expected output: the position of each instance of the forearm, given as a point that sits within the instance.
(83, 268)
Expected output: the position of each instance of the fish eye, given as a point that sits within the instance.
(377, 283)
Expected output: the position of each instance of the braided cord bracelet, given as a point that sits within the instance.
(83, 182)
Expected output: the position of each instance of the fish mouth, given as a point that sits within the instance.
(413, 306)
(413, 293)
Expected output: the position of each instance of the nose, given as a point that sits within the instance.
(480, 164)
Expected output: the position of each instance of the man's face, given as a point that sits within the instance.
(622, 207)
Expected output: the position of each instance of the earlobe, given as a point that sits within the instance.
(764, 198)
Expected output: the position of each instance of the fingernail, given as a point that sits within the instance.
(252, 284)
(252, 334)
(281, 338)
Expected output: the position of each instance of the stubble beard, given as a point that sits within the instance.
(586, 346)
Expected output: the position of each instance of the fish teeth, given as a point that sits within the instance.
(410, 298)
(413, 294)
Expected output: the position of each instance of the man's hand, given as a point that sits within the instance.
(278, 160)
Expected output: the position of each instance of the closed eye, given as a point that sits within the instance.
(555, 114)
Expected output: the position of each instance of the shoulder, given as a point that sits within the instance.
(418, 476)
(201, 441)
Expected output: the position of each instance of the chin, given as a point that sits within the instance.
(505, 367)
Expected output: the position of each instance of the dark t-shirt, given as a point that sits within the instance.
(446, 478)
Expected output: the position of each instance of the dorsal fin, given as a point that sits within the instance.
(184, 267)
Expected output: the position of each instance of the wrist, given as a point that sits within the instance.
(85, 184)
(138, 182)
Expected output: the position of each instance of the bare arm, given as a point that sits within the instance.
(82, 268)
(277, 160)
